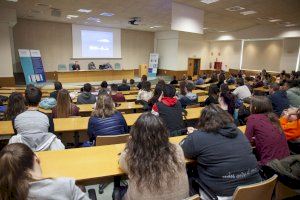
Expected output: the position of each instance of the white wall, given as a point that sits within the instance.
(166, 45)
(289, 54)
(227, 52)
(5, 51)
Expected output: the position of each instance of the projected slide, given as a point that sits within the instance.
(97, 44)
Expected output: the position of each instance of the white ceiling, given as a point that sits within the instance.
(158, 12)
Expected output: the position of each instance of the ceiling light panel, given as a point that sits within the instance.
(84, 10)
(209, 1)
(249, 12)
(275, 20)
(235, 8)
(106, 14)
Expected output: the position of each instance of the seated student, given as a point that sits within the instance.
(143, 79)
(278, 99)
(199, 81)
(155, 167)
(189, 78)
(22, 178)
(213, 78)
(64, 107)
(293, 92)
(157, 95)
(223, 153)
(290, 123)
(242, 92)
(57, 87)
(103, 89)
(124, 86)
(257, 82)
(221, 78)
(182, 90)
(189, 98)
(131, 83)
(174, 81)
(170, 110)
(145, 93)
(86, 97)
(115, 95)
(34, 128)
(105, 119)
(161, 81)
(232, 79)
(226, 99)
(212, 95)
(15, 106)
(92, 66)
(264, 130)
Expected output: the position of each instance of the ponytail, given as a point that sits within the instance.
(15, 162)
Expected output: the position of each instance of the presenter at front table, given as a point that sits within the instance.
(76, 66)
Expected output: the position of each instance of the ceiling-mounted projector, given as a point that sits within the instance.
(134, 21)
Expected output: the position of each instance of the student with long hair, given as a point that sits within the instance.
(226, 99)
(15, 105)
(145, 93)
(223, 153)
(264, 130)
(213, 92)
(64, 107)
(105, 119)
(182, 89)
(157, 95)
(21, 178)
(34, 128)
(155, 167)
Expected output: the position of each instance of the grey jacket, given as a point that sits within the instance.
(293, 95)
(55, 189)
(86, 98)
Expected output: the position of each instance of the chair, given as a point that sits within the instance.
(61, 67)
(107, 140)
(262, 190)
(111, 139)
(117, 66)
(70, 66)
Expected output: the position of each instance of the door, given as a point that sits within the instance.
(193, 66)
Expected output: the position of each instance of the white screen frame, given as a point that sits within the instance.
(77, 45)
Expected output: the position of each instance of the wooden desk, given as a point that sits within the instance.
(203, 86)
(201, 99)
(88, 108)
(93, 75)
(87, 165)
(131, 97)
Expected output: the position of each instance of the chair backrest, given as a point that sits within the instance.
(117, 66)
(70, 66)
(195, 197)
(62, 67)
(111, 139)
(261, 191)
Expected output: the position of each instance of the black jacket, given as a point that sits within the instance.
(225, 159)
(124, 87)
(279, 101)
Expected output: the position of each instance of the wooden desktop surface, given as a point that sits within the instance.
(87, 164)
(81, 123)
(88, 108)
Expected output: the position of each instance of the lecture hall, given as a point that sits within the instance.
(149, 100)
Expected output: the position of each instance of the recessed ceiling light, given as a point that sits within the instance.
(94, 19)
(209, 1)
(106, 14)
(249, 12)
(12, 1)
(204, 28)
(235, 8)
(155, 26)
(262, 18)
(290, 25)
(222, 31)
(84, 10)
(72, 16)
(274, 20)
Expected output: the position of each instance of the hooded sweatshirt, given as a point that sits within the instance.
(293, 95)
(224, 159)
(189, 99)
(170, 110)
(279, 101)
(86, 98)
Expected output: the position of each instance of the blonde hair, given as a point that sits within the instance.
(105, 107)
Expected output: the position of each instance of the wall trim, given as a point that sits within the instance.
(7, 82)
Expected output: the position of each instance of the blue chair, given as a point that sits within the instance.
(61, 67)
(117, 66)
